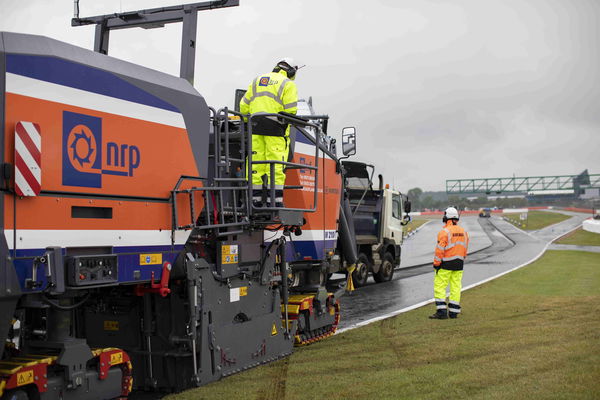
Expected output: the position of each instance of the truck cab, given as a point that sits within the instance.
(378, 215)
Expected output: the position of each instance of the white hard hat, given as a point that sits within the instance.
(291, 62)
(451, 213)
(289, 65)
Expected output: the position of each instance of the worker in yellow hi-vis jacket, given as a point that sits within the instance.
(272, 92)
(450, 254)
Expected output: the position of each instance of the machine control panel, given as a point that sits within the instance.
(92, 270)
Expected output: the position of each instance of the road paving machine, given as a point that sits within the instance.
(132, 255)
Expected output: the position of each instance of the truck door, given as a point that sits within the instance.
(394, 217)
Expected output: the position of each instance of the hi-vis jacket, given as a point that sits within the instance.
(451, 249)
(271, 93)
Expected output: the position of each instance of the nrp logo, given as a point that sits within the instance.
(83, 149)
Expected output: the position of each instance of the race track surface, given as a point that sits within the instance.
(496, 247)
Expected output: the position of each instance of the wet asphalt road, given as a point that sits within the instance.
(509, 247)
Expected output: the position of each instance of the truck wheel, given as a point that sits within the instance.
(386, 271)
(361, 273)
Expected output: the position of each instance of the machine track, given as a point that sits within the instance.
(312, 325)
(32, 370)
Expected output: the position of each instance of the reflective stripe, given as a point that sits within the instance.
(267, 94)
(454, 244)
(454, 308)
(455, 304)
(441, 248)
(436, 258)
(245, 100)
(453, 258)
(290, 105)
(276, 97)
(253, 88)
(280, 91)
(440, 304)
(448, 233)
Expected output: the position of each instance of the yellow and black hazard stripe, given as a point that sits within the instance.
(32, 369)
(303, 303)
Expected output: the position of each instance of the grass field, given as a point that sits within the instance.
(581, 238)
(536, 219)
(414, 224)
(534, 333)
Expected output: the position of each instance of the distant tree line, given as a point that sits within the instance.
(440, 200)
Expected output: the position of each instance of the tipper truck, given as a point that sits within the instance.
(378, 215)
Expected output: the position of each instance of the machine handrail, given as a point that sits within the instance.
(295, 121)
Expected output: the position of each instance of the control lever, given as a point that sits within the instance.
(161, 287)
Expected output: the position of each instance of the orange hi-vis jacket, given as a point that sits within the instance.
(451, 249)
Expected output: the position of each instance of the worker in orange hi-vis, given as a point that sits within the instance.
(450, 254)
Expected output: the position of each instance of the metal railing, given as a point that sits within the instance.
(299, 124)
(227, 206)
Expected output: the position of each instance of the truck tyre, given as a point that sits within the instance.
(386, 271)
(361, 273)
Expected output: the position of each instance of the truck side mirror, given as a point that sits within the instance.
(349, 141)
(407, 206)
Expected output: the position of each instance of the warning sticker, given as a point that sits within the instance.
(150, 259)
(116, 358)
(244, 291)
(274, 329)
(25, 378)
(111, 325)
(229, 254)
(234, 295)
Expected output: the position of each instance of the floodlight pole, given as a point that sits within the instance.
(156, 18)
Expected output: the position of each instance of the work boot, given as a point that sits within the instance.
(257, 199)
(453, 315)
(440, 314)
(279, 198)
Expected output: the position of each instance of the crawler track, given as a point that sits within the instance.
(300, 308)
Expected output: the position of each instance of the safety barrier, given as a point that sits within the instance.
(591, 225)
(508, 210)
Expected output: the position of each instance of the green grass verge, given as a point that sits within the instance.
(534, 333)
(414, 224)
(581, 238)
(536, 219)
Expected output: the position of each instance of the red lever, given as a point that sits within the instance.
(161, 287)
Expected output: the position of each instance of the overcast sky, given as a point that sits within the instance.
(437, 89)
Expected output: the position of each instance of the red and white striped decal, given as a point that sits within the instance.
(28, 159)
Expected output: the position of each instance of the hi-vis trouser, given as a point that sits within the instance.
(440, 282)
(269, 148)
